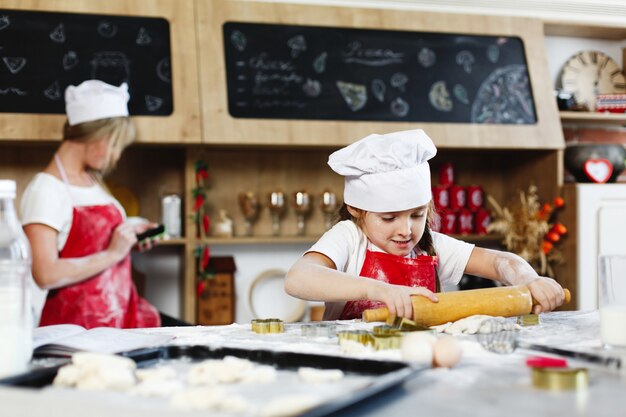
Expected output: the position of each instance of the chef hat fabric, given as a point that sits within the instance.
(386, 173)
(95, 100)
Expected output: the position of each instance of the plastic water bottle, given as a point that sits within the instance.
(15, 263)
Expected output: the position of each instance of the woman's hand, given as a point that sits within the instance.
(123, 239)
(397, 297)
(548, 294)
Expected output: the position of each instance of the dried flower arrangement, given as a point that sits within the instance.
(530, 230)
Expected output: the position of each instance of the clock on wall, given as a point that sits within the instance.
(589, 73)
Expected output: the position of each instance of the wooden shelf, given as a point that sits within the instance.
(593, 118)
(178, 241)
(584, 30)
(273, 240)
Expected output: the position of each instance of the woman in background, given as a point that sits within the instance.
(78, 232)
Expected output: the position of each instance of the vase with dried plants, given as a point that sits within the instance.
(530, 230)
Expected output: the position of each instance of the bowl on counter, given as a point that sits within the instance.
(585, 161)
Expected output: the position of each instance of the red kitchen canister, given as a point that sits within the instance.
(441, 196)
(446, 174)
(448, 221)
(458, 197)
(481, 221)
(475, 197)
(465, 222)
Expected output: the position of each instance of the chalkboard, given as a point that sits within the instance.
(41, 53)
(304, 72)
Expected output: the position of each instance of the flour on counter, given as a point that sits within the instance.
(477, 324)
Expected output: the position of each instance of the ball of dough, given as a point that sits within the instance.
(417, 347)
(447, 352)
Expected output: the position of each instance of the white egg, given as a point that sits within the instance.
(417, 347)
(447, 352)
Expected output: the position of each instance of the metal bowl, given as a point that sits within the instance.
(577, 155)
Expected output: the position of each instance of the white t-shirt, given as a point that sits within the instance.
(346, 244)
(48, 200)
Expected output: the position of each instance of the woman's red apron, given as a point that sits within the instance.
(107, 299)
(393, 269)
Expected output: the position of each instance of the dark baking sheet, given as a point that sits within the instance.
(389, 374)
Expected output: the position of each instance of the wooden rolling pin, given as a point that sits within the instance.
(455, 305)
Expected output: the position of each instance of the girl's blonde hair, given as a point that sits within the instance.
(120, 131)
(426, 242)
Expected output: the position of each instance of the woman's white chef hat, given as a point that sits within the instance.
(95, 100)
(385, 173)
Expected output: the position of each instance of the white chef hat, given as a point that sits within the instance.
(385, 173)
(95, 100)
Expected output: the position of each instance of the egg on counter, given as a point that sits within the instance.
(418, 347)
(446, 352)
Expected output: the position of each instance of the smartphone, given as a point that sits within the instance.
(156, 231)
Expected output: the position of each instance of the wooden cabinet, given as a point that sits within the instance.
(182, 126)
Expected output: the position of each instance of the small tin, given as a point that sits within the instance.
(465, 222)
(264, 326)
(482, 218)
(475, 197)
(448, 222)
(560, 379)
(170, 215)
(446, 174)
(458, 197)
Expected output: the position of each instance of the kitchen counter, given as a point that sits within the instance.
(483, 383)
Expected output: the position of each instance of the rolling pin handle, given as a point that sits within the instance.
(375, 314)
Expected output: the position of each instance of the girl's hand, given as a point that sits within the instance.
(146, 244)
(548, 294)
(122, 241)
(397, 297)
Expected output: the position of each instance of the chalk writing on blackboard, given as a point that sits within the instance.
(304, 72)
(44, 52)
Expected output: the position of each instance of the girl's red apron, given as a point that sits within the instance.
(107, 299)
(393, 269)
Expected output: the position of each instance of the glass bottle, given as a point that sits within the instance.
(15, 264)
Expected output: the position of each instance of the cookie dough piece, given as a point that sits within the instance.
(319, 376)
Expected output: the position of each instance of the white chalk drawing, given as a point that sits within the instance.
(13, 90)
(4, 22)
(505, 98)
(378, 89)
(439, 96)
(426, 57)
(465, 59)
(53, 91)
(58, 34)
(399, 80)
(14, 63)
(399, 107)
(107, 29)
(297, 44)
(493, 53)
(164, 70)
(153, 103)
(355, 53)
(238, 40)
(319, 63)
(143, 37)
(460, 93)
(70, 60)
(355, 95)
(110, 66)
(312, 88)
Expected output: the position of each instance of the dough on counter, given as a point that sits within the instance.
(98, 372)
(477, 324)
(225, 371)
(162, 373)
(289, 405)
(209, 398)
(319, 376)
(157, 388)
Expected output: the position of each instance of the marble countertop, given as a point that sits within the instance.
(482, 383)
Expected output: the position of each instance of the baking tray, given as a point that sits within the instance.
(383, 375)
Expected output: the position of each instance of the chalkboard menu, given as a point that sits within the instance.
(305, 72)
(41, 53)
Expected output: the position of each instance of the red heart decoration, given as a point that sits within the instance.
(598, 170)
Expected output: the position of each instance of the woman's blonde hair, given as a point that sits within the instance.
(120, 131)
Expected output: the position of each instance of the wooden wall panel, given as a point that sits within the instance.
(183, 126)
(221, 128)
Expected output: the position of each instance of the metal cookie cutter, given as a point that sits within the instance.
(264, 326)
(360, 336)
(327, 330)
(528, 320)
(404, 324)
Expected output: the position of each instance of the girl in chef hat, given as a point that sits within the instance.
(383, 250)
